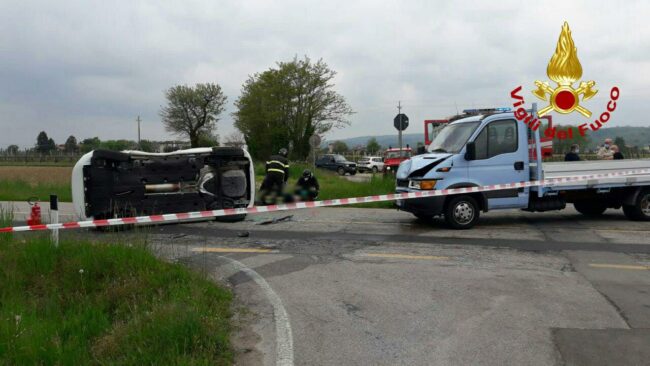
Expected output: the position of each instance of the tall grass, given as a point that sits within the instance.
(90, 303)
(6, 220)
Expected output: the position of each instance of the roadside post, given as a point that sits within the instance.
(314, 142)
(401, 122)
(54, 217)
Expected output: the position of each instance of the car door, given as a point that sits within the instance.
(501, 158)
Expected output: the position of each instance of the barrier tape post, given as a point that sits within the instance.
(179, 217)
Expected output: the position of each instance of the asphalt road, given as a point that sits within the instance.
(345, 286)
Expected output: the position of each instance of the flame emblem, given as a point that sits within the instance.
(565, 69)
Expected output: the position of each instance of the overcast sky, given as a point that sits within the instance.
(88, 68)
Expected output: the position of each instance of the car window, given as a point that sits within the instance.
(496, 138)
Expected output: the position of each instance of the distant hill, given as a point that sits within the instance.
(634, 136)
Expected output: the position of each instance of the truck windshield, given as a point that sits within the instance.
(453, 137)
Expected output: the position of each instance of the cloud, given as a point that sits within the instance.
(88, 68)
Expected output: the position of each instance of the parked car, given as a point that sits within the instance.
(337, 163)
(371, 164)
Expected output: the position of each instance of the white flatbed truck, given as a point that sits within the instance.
(493, 148)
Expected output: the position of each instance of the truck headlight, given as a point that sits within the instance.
(423, 184)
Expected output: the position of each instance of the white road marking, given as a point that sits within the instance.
(284, 339)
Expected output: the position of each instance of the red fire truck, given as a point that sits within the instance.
(393, 157)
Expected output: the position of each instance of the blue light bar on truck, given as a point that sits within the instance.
(487, 110)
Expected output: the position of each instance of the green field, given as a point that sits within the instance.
(106, 303)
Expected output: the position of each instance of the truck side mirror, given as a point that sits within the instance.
(470, 151)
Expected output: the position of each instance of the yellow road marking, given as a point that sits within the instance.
(405, 256)
(232, 250)
(620, 266)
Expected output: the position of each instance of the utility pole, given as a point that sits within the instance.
(399, 112)
(139, 145)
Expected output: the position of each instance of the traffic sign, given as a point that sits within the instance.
(314, 141)
(401, 122)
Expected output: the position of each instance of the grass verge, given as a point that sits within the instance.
(89, 303)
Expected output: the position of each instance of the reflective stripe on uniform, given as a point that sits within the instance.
(278, 162)
(275, 170)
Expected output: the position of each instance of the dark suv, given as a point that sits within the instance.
(337, 163)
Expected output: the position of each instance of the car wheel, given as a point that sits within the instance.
(341, 171)
(588, 208)
(640, 211)
(461, 212)
(374, 170)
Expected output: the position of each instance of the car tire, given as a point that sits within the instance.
(461, 212)
(589, 208)
(341, 171)
(374, 170)
(640, 211)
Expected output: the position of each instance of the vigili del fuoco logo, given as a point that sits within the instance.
(564, 69)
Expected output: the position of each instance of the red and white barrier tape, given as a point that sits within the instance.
(177, 217)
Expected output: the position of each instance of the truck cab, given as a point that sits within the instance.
(475, 151)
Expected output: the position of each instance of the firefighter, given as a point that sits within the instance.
(307, 186)
(277, 173)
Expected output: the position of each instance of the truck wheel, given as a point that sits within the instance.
(640, 211)
(462, 212)
(374, 170)
(341, 171)
(589, 208)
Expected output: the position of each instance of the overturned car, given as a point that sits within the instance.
(108, 184)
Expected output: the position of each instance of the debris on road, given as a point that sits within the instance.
(276, 220)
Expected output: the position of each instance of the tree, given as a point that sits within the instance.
(12, 149)
(207, 140)
(71, 145)
(147, 146)
(284, 106)
(118, 145)
(51, 145)
(340, 147)
(90, 144)
(43, 143)
(372, 146)
(235, 139)
(193, 111)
